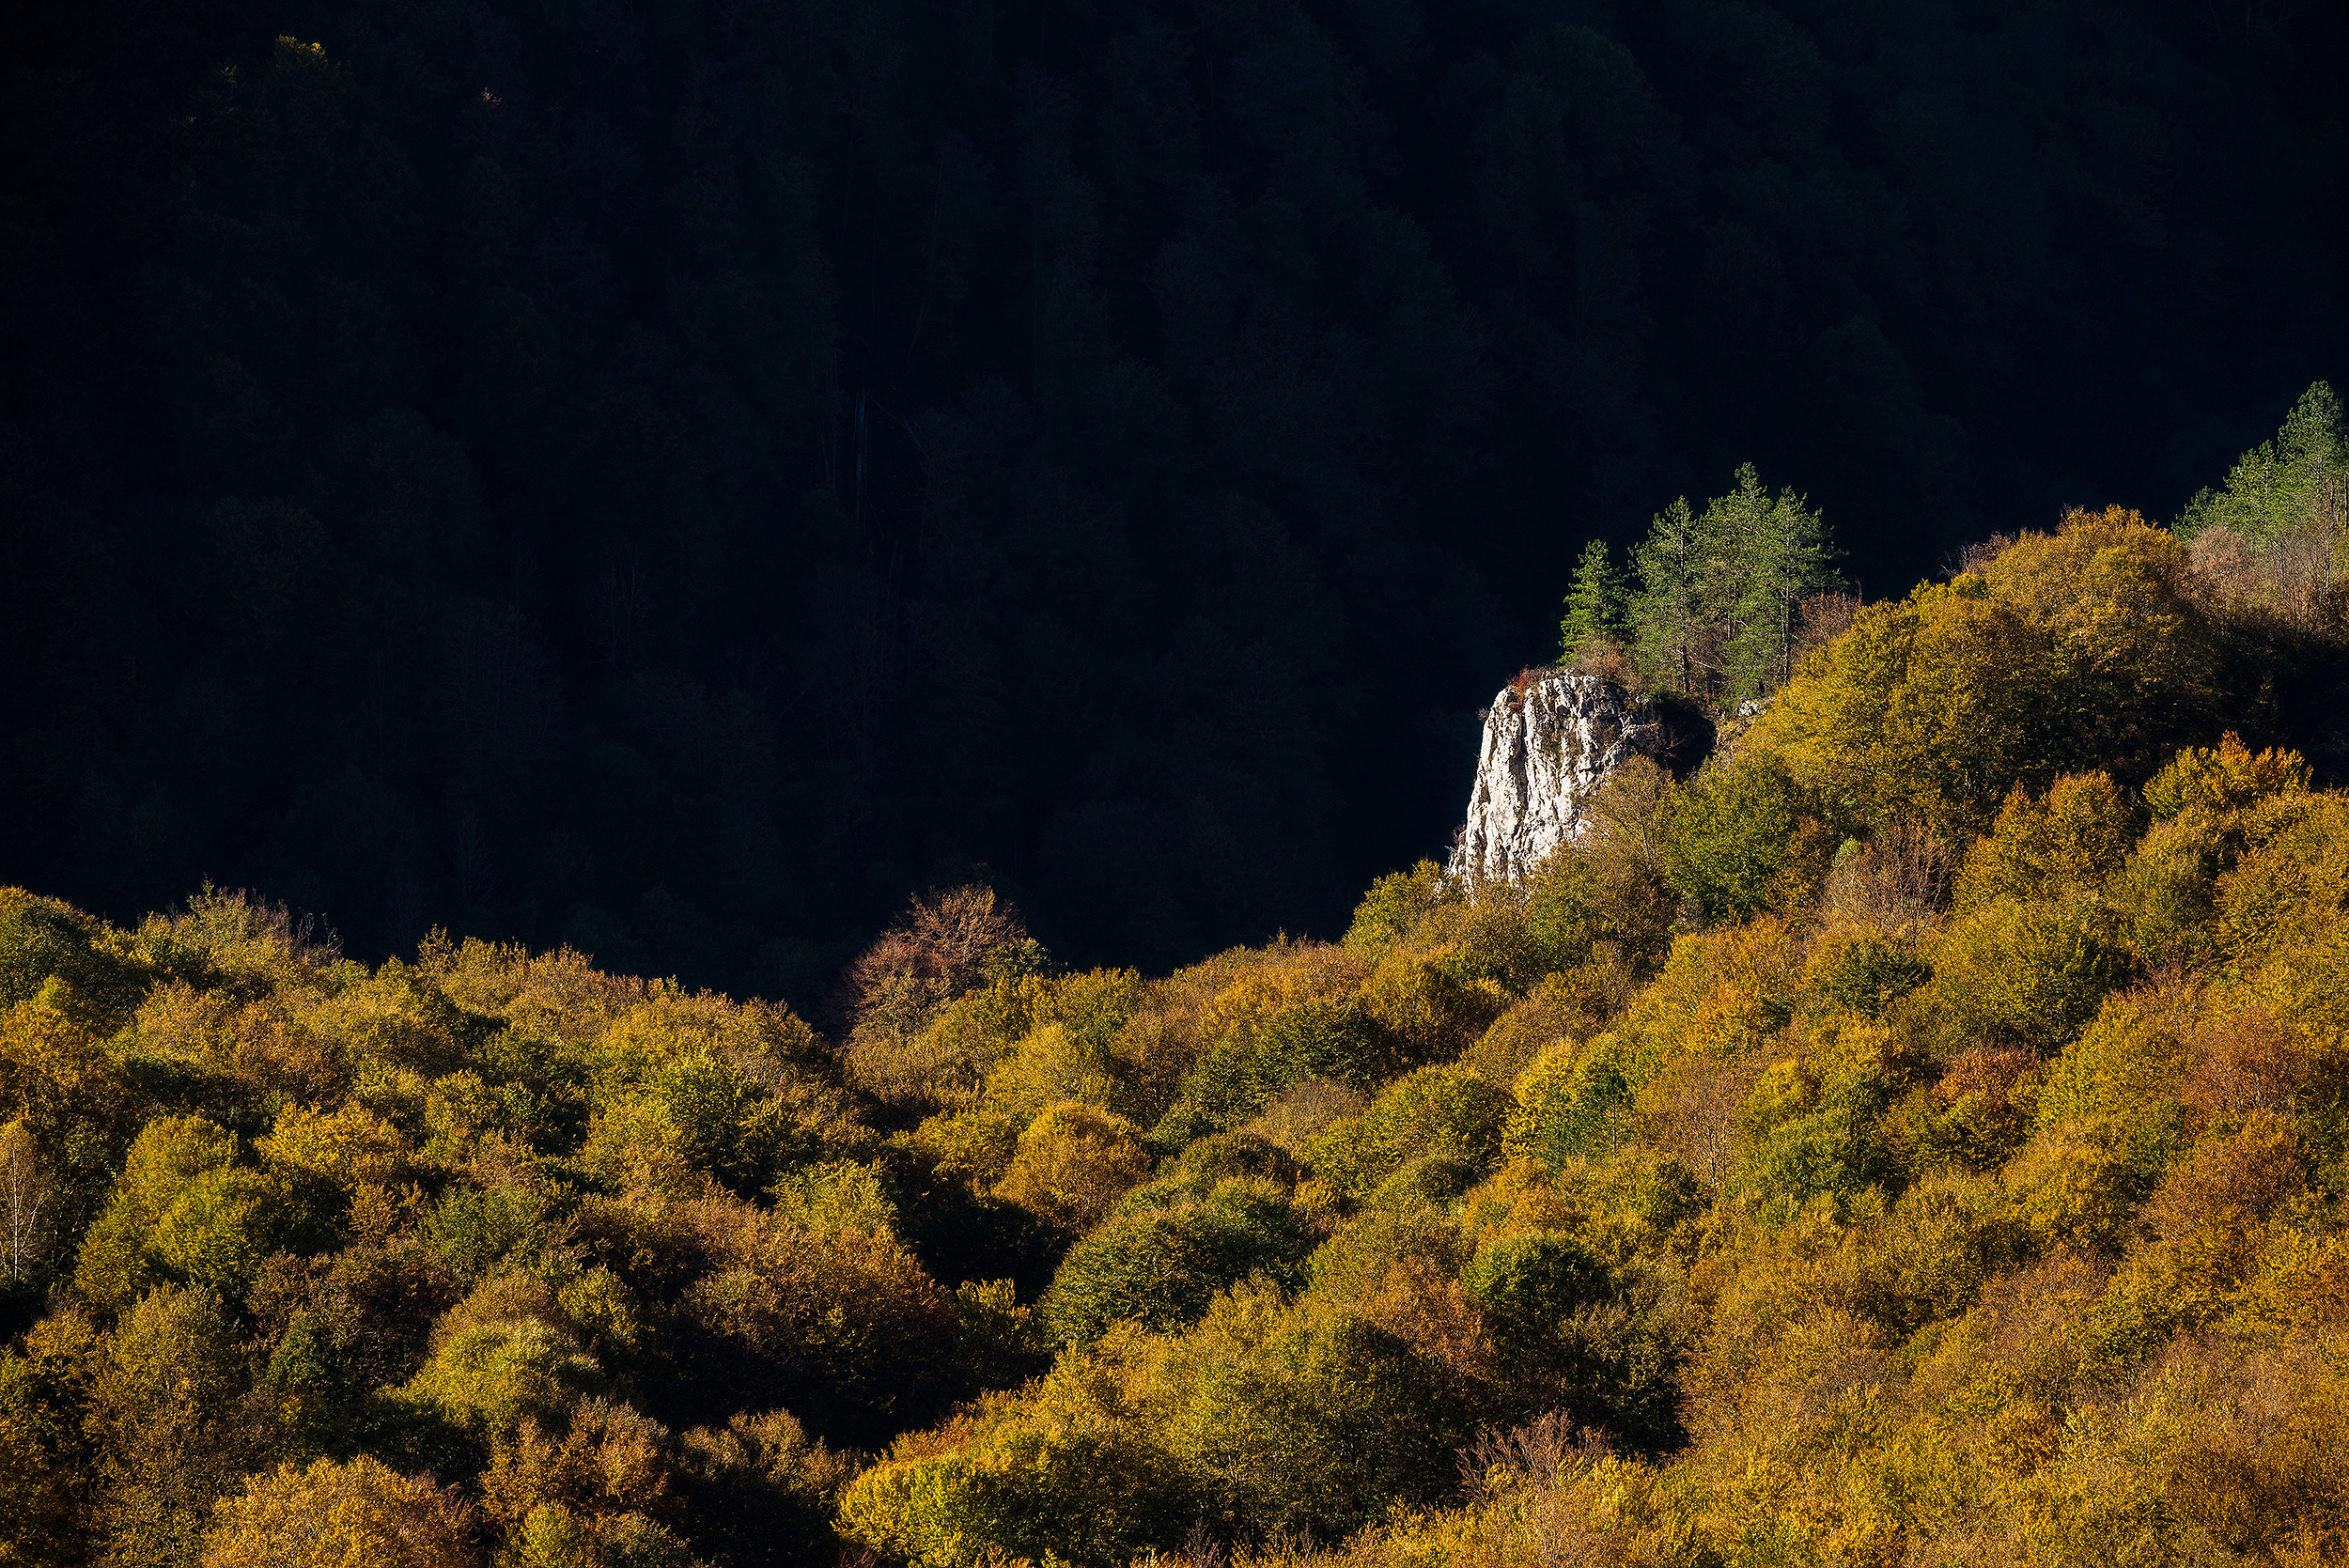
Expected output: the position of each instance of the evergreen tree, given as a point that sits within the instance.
(2281, 483)
(2287, 506)
(1772, 555)
(1667, 615)
(1720, 592)
(1595, 603)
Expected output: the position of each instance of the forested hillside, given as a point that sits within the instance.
(676, 478)
(1920, 1136)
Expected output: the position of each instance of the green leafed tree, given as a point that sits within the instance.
(1595, 603)
(2277, 483)
(1720, 592)
(1668, 613)
(2278, 532)
(1770, 554)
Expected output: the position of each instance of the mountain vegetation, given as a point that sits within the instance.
(676, 478)
(1920, 1136)
(1724, 599)
(1720, 604)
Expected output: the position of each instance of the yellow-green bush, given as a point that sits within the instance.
(2029, 972)
(1396, 905)
(1435, 1110)
(1861, 970)
(1607, 895)
(1429, 1004)
(2123, 1072)
(118, 1259)
(1812, 1122)
(490, 1377)
(1074, 1161)
(1064, 1470)
(2063, 841)
(1737, 840)
(1160, 1266)
(1574, 1100)
(331, 1515)
(2083, 644)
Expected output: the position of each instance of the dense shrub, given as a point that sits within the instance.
(1863, 970)
(2027, 972)
(1435, 1110)
(2065, 842)
(1427, 1005)
(1812, 1122)
(1161, 1265)
(1734, 844)
(331, 1515)
(2083, 644)
(1074, 1161)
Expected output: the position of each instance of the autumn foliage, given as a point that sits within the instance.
(1920, 1136)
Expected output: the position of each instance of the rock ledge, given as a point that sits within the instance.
(1551, 738)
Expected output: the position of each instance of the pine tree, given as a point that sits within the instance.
(2280, 484)
(1774, 554)
(2287, 506)
(1595, 603)
(1667, 615)
(1720, 592)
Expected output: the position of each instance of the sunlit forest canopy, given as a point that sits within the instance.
(677, 479)
(1919, 1135)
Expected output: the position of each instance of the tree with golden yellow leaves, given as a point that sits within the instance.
(358, 1514)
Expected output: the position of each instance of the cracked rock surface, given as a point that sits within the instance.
(1548, 744)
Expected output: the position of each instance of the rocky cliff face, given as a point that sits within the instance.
(1548, 745)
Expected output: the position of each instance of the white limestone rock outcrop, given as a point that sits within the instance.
(1548, 745)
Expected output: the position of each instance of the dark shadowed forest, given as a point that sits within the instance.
(676, 478)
